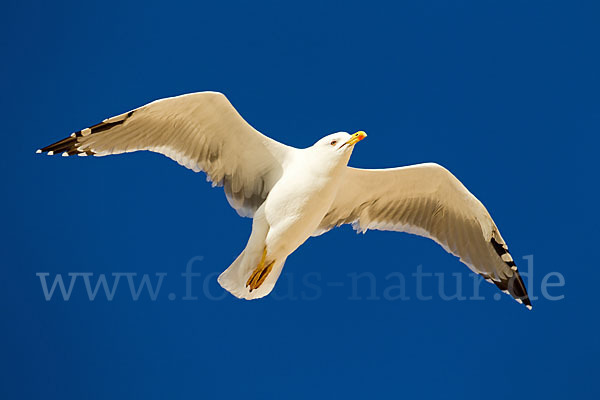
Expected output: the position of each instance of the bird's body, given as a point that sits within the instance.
(299, 200)
(290, 214)
(293, 194)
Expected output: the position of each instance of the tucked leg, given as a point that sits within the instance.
(260, 273)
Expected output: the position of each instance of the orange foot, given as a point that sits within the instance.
(261, 272)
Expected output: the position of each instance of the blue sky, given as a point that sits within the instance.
(502, 93)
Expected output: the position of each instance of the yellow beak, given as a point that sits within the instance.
(357, 137)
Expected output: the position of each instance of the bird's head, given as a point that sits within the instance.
(338, 146)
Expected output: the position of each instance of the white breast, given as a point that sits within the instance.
(297, 204)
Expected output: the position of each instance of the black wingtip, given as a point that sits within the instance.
(68, 146)
(64, 145)
(514, 284)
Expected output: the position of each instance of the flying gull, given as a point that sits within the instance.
(293, 194)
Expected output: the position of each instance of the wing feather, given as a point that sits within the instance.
(427, 200)
(201, 131)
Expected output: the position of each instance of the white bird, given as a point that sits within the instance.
(293, 194)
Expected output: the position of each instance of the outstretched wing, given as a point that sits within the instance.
(201, 131)
(427, 200)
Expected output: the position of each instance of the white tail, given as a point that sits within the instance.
(234, 278)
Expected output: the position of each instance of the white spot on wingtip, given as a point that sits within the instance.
(519, 301)
(65, 154)
(73, 135)
(82, 154)
(514, 268)
(38, 151)
(529, 307)
(506, 257)
(50, 153)
(86, 132)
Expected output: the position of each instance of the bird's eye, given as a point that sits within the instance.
(333, 142)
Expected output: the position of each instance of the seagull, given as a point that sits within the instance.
(293, 194)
